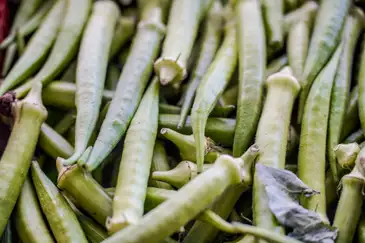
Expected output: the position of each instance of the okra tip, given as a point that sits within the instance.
(246, 161)
(169, 70)
(284, 78)
(115, 224)
(178, 176)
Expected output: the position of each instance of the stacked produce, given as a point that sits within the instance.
(183, 121)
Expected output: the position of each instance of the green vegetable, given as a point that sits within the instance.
(15, 161)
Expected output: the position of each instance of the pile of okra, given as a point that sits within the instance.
(192, 121)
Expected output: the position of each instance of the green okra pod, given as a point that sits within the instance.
(212, 86)
(229, 96)
(307, 10)
(187, 148)
(361, 229)
(80, 185)
(220, 130)
(62, 220)
(135, 164)
(37, 48)
(23, 14)
(341, 88)
(29, 115)
(66, 44)
(326, 36)
(65, 123)
(159, 163)
(53, 144)
(272, 137)
(62, 95)
(178, 44)
(91, 72)
(212, 30)
(349, 207)
(132, 82)
(191, 199)
(352, 113)
(252, 64)
(29, 221)
(124, 31)
(313, 136)
(180, 175)
(297, 47)
(273, 14)
(361, 84)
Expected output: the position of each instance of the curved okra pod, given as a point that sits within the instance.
(53, 144)
(179, 41)
(135, 164)
(187, 148)
(307, 10)
(188, 202)
(80, 185)
(15, 161)
(350, 204)
(220, 130)
(211, 36)
(272, 137)
(132, 82)
(66, 44)
(212, 86)
(313, 136)
(273, 14)
(91, 72)
(23, 14)
(124, 31)
(326, 36)
(37, 48)
(352, 113)
(252, 63)
(180, 175)
(59, 214)
(159, 163)
(29, 221)
(353, 27)
(31, 25)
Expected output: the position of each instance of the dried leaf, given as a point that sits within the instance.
(283, 189)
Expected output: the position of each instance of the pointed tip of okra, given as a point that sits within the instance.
(178, 176)
(169, 70)
(284, 78)
(84, 157)
(346, 154)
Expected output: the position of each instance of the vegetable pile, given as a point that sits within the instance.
(192, 121)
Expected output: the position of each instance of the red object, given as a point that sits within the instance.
(4, 24)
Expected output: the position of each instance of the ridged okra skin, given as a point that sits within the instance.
(15, 161)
